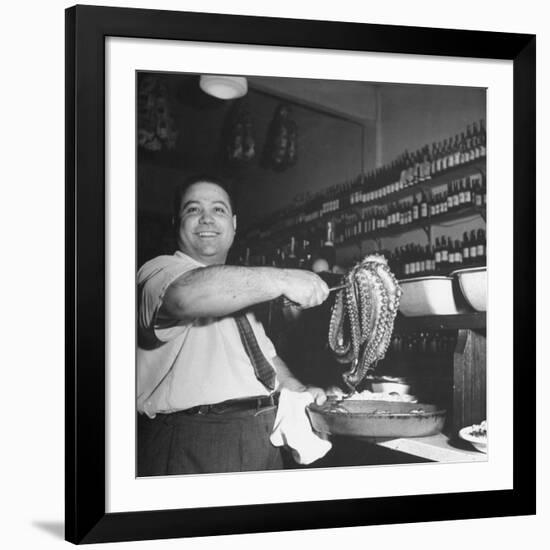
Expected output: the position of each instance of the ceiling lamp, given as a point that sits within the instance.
(224, 87)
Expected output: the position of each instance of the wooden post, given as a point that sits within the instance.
(470, 379)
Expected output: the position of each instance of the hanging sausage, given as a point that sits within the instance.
(280, 149)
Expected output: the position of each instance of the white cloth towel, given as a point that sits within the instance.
(293, 428)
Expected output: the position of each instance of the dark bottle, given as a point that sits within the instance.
(433, 158)
(327, 251)
(461, 190)
(444, 202)
(416, 208)
(427, 164)
(473, 246)
(456, 151)
(444, 151)
(450, 194)
(465, 248)
(475, 141)
(437, 251)
(451, 249)
(467, 192)
(458, 253)
(481, 247)
(444, 254)
(423, 206)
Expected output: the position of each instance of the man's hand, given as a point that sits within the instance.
(305, 288)
(318, 394)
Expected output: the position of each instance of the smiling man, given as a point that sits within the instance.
(208, 377)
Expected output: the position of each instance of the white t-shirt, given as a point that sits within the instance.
(189, 363)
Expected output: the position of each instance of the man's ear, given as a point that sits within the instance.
(234, 222)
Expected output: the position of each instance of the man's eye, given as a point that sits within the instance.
(220, 209)
(191, 209)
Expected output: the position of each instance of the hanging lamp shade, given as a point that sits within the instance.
(224, 87)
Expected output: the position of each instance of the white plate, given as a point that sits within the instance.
(480, 443)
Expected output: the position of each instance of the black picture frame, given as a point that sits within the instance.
(86, 30)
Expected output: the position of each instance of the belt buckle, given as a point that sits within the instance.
(203, 409)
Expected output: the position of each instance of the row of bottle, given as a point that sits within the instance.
(411, 260)
(463, 193)
(423, 342)
(444, 256)
(410, 169)
(405, 171)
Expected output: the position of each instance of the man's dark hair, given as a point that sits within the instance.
(200, 178)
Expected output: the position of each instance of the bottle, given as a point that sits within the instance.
(465, 248)
(437, 255)
(458, 253)
(467, 192)
(416, 209)
(461, 196)
(433, 167)
(444, 201)
(473, 246)
(481, 247)
(450, 154)
(327, 251)
(475, 141)
(456, 151)
(444, 254)
(423, 206)
(462, 148)
(439, 151)
(478, 193)
(418, 168)
(427, 165)
(444, 156)
(452, 253)
(450, 194)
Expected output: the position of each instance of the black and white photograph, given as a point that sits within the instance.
(311, 286)
(299, 267)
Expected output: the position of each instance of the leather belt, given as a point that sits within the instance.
(235, 405)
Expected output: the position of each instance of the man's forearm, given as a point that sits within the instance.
(220, 290)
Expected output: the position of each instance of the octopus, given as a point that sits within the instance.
(362, 318)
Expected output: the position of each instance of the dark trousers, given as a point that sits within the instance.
(181, 443)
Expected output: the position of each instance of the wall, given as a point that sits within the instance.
(330, 151)
(433, 112)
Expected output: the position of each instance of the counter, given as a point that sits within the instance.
(437, 448)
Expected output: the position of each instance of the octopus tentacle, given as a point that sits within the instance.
(362, 317)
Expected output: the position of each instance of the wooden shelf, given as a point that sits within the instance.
(440, 179)
(423, 223)
(475, 320)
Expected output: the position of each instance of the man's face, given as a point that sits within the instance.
(206, 226)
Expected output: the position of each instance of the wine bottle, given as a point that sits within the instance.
(450, 193)
(427, 168)
(444, 254)
(473, 246)
(437, 255)
(458, 253)
(423, 206)
(465, 248)
(481, 247)
(327, 251)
